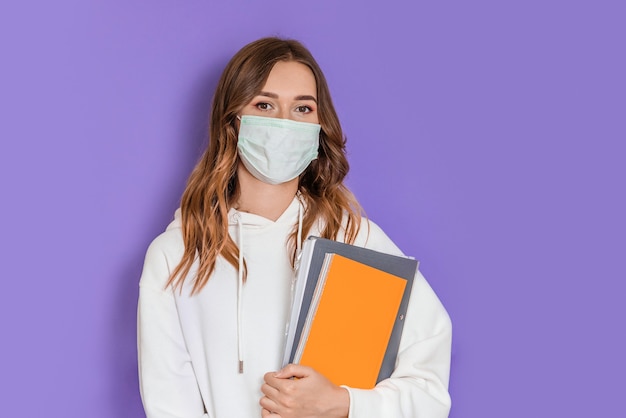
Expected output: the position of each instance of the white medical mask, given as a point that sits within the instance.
(277, 150)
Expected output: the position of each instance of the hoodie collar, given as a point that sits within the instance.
(249, 219)
(290, 215)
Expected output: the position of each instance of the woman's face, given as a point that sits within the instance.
(290, 92)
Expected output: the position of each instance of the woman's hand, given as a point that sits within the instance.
(309, 395)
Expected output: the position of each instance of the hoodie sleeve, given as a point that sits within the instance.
(418, 387)
(166, 377)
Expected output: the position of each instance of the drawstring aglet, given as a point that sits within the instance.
(240, 366)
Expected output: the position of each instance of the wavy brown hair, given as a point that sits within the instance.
(212, 187)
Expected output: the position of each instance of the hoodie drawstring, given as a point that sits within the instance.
(237, 218)
(240, 294)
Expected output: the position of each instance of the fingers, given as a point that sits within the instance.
(278, 394)
(267, 414)
(298, 391)
(285, 390)
(277, 389)
(269, 390)
(267, 406)
(269, 376)
(271, 382)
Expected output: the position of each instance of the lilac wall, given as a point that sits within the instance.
(486, 138)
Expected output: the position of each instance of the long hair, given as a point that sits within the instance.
(212, 187)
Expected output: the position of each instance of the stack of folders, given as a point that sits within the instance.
(348, 311)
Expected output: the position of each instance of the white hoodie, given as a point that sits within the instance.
(188, 345)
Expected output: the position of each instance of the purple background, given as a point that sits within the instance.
(486, 138)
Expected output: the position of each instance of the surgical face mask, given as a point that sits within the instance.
(277, 150)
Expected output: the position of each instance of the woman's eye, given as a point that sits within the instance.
(263, 106)
(303, 109)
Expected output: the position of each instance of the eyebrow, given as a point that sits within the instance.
(275, 96)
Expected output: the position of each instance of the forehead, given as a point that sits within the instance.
(291, 78)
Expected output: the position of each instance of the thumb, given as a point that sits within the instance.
(292, 370)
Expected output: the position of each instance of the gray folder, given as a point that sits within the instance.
(403, 267)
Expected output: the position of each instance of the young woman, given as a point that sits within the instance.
(215, 290)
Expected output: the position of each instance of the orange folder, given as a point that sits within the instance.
(350, 321)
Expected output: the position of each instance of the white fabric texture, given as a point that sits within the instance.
(188, 345)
